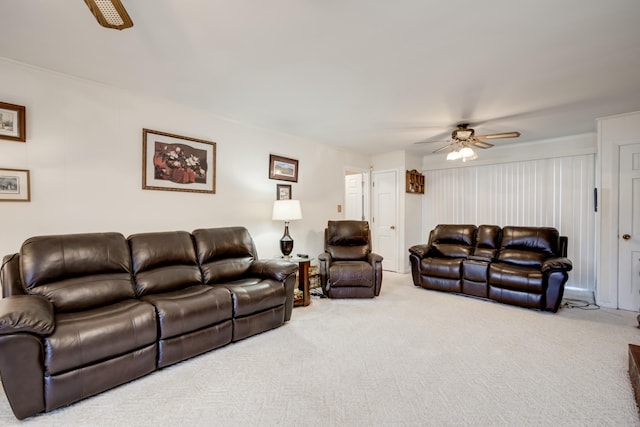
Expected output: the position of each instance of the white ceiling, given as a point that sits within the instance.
(368, 75)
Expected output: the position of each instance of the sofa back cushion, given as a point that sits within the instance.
(77, 271)
(528, 246)
(224, 254)
(348, 240)
(163, 262)
(452, 240)
(487, 241)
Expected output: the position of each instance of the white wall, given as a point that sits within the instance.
(84, 153)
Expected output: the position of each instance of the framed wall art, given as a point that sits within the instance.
(282, 168)
(14, 185)
(283, 192)
(13, 122)
(177, 163)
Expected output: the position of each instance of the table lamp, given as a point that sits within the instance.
(286, 210)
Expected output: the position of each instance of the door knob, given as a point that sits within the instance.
(393, 227)
(626, 236)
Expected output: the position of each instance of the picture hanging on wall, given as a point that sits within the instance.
(14, 185)
(13, 122)
(177, 163)
(283, 191)
(282, 168)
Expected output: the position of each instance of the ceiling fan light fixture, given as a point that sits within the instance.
(110, 13)
(453, 155)
(468, 154)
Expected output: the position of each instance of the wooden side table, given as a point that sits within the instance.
(303, 281)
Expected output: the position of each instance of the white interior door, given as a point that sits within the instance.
(629, 228)
(385, 218)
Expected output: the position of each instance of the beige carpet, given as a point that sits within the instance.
(410, 357)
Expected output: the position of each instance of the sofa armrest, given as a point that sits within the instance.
(419, 250)
(10, 275)
(556, 264)
(324, 260)
(273, 269)
(374, 259)
(26, 313)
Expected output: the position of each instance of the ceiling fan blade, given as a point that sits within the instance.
(431, 142)
(499, 135)
(480, 144)
(443, 148)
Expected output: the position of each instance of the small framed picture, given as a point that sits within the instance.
(13, 122)
(283, 192)
(282, 168)
(14, 185)
(177, 163)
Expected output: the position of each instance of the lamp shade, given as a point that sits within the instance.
(286, 210)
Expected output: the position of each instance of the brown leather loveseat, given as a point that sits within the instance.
(83, 313)
(524, 266)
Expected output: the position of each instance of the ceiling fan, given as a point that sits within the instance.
(464, 137)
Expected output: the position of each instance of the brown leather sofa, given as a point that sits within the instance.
(524, 266)
(83, 313)
(348, 268)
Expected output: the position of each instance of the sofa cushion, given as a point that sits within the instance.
(163, 262)
(347, 240)
(351, 273)
(77, 271)
(528, 246)
(459, 234)
(503, 275)
(450, 268)
(224, 254)
(452, 240)
(449, 250)
(347, 233)
(487, 241)
(253, 295)
(187, 310)
(86, 337)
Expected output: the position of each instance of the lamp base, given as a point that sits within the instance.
(286, 243)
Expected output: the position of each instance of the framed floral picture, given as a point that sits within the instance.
(177, 163)
(282, 168)
(283, 192)
(14, 185)
(13, 122)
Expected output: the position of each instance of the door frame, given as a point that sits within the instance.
(607, 223)
(625, 252)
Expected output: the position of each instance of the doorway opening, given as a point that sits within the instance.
(357, 194)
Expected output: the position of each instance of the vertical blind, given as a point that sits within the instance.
(548, 192)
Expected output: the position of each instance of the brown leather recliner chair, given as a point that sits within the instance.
(348, 268)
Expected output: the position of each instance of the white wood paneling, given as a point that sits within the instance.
(547, 192)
